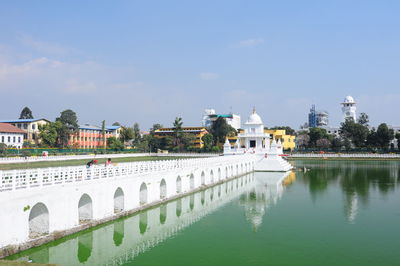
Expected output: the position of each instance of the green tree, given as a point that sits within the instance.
(315, 134)
(208, 141)
(363, 119)
(397, 136)
(103, 132)
(115, 144)
(26, 113)
(384, 135)
(355, 132)
(178, 132)
(127, 134)
(136, 134)
(116, 124)
(155, 127)
(48, 133)
(323, 143)
(220, 129)
(69, 122)
(337, 144)
(372, 139)
(3, 149)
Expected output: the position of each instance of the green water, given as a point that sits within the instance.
(337, 213)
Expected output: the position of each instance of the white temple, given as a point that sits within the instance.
(255, 141)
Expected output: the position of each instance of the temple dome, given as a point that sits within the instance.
(348, 99)
(254, 119)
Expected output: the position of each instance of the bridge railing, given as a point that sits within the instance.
(30, 178)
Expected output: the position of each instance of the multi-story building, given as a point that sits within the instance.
(29, 126)
(91, 137)
(11, 135)
(197, 132)
(210, 116)
(288, 141)
(318, 118)
(349, 108)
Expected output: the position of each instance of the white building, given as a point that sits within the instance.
(349, 108)
(210, 116)
(254, 141)
(11, 135)
(29, 126)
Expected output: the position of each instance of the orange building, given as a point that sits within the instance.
(91, 137)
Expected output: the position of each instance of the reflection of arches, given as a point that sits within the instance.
(211, 176)
(85, 208)
(178, 207)
(191, 182)
(143, 194)
(202, 197)
(38, 220)
(219, 174)
(143, 222)
(163, 189)
(203, 179)
(119, 231)
(211, 193)
(85, 243)
(163, 213)
(191, 202)
(226, 188)
(179, 185)
(219, 191)
(118, 200)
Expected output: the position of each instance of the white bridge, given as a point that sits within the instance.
(40, 205)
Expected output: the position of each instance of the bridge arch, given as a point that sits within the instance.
(85, 208)
(38, 220)
(237, 169)
(203, 178)
(241, 168)
(178, 185)
(219, 174)
(191, 181)
(143, 194)
(118, 200)
(163, 189)
(211, 176)
(226, 172)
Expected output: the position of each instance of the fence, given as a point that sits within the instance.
(29, 178)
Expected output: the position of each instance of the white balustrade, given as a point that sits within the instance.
(39, 177)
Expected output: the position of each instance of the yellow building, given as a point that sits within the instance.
(288, 141)
(198, 132)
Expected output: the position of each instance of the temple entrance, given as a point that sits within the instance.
(252, 143)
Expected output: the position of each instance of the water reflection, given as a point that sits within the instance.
(356, 179)
(119, 230)
(85, 245)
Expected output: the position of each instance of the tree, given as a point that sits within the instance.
(116, 124)
(127, 134)
(220, 129)
(384, 135)
(363, 119)
(337, 144)
(26, 113)
(3, 149)
(136, 134)
(372, 139)
(302, 140)
(398, 140)
(48, 133)
(208, 141)
(155, 127)
(355, 132)
(323, 143)
(177, 125)
(103, 132)
(69, 122)
(315, 134)
(115, 144)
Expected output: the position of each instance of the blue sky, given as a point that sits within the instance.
(150, 61)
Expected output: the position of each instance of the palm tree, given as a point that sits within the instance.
(177, 130)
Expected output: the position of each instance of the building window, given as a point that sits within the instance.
(19, 125)
(14, 139)
(2, 139)
(33, 126)
(19, 139)
(25, 126)
(9, 139)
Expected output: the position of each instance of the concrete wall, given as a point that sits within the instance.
(27, 213)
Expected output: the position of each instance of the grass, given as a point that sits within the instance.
(44, 164)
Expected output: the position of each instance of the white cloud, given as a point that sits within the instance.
(250, 43)
(43, 47)
(209, 76)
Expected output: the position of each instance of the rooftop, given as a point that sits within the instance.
(8, 128)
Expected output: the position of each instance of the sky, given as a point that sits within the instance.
(151, 61)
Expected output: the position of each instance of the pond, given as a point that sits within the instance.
(333, 213)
